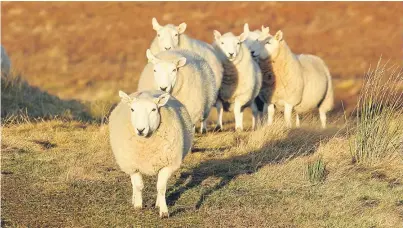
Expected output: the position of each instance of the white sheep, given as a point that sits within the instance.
(252, 41)
(242, 77)
(186, 76)
(5, 62)
(171, 37)
(255, 47)
(302, 82)
(150, 133)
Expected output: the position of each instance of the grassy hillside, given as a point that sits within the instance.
(62, 173)
(71, 58)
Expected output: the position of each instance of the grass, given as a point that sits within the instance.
(64, 175)
(378, 136)
(23, 103)
(316, 171)
(60, 172)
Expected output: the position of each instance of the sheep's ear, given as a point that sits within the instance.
(162, 99)
(246, 28)
(181, 28)
(243, 36)
(217, 35)
(156, 26)
(180, 62)
(151, 58)
(125, 98)
(265, 30)
(279, 35)
(263, 37)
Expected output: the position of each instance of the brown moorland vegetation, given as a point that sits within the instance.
(70, 59)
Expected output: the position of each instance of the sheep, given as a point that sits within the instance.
(255, 47)
(242, 77)
(252, 42)
(171, 37)
(5, 62)
(150, 133)
(302, 82)
(187, 76)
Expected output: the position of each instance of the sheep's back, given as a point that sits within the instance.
(315, 82)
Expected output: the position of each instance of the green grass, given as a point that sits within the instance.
(316, 171)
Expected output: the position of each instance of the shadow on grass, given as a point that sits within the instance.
(299, 142)
(21, 102)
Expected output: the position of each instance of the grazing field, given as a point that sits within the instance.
(71, 58)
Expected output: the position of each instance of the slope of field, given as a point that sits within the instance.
(71, 58)
(85, 50)
(64, 175)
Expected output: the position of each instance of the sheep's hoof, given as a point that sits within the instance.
(218, 129)
(164, 214)
(203, 131)
(238, 129)
(138, 207)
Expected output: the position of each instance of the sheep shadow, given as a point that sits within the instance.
(299, 142)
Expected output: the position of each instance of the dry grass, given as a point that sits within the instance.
(59, 173)
(379, 132)
(57, 166)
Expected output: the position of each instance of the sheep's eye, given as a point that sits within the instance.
(222, 43)
(132, 109)
(239, 43)
(174, 70)
(159, 35)
(155, 71)
(176, 34)
(154, 109)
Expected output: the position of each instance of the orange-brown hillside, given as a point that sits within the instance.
(88, 50)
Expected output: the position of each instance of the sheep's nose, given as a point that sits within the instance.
(163, 89)
(168, 48)
(140, 131)
(231, 54)
(253, 52)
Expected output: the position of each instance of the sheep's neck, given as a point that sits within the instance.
(282, 60)
(267, 72)
(179, 83)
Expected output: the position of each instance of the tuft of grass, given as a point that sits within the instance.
(378, 133)
(23, 103)
(316, 171)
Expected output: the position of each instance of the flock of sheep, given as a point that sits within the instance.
(152, 130)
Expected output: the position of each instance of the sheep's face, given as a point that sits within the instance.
(144, 112)
(168, 35)
(252, 42)
(229, 44)
(271, 44)
(165, 72)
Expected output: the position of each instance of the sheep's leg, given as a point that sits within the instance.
(238, 116)
(220, 111)
(162, 181)
(137, 183)
(255, 113)
(270, 113)
(287, 114)
(322, 115)
(203, 126)
(297, 122)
